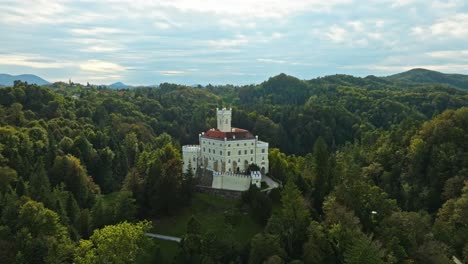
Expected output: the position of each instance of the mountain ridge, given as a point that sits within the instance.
(415, 76)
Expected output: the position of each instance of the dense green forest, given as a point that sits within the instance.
(374, 170)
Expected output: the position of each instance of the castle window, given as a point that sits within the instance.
(251, 159)
(263, 150)
(229, 145)
(229, 161)
(263, 158)
(237, 144)
(209, 150)
(239, 152)
(238, 160)
(251, 151)
(204, 149)
(245, 152)
(229, 153)
(252, 144)
(220, 152)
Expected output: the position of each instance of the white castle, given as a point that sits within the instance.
(227, 152)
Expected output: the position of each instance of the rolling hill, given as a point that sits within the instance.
(423, 76)
(7, 79)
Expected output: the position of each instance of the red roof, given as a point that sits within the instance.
(235, 134)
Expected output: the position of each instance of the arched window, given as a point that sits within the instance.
(238, 153)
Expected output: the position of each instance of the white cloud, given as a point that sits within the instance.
(258, 8)
(162, 25)
(402, 3)
(100, 66)
(356, 25)
(239, 40)
(446, 4)
(43, 11)
(102, 49)
(31, 61)
(449, 54)
(171, 72)
(451, 26)
(237, 23)
(272, 61)
(96, 31)
(336, 34)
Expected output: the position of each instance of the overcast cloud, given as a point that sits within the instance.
(238, 42)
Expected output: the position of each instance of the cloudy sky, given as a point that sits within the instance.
(238, 42)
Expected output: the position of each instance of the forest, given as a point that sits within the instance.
(373, 170)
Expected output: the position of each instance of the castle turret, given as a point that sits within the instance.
(224, 119)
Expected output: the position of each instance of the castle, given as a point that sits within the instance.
(227, 152)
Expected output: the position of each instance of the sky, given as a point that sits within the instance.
(144, 42)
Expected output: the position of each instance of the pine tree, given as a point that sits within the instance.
(295, 217)
(364, 251)
(39, 185)
(321, 172)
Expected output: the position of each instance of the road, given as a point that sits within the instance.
(163, 237)
(270, 182)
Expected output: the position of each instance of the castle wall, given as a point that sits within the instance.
(228, 181)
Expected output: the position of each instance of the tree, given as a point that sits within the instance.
(120, 243)
(295, 217)
(69, 170)
(451, 223)
(264, 246)
(259, 203)
(124, 207)
(191, 243)
(317, 249)
(163, 180)
(7, 177)
(134, 183)
(99, 215)
(39, 184)
(364, 251)
(322, 183)
(41, 237)
(131, 148)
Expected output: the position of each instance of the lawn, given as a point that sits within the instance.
(210, 211)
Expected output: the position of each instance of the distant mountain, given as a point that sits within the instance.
(7, 79)
(423, 76)
(119, 85)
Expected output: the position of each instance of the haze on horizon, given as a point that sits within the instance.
(238, 42)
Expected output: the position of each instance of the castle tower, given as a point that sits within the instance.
(224, 119)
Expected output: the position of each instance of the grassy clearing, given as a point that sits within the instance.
(210, 211)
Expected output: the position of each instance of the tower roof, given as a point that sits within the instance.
(234, 134)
